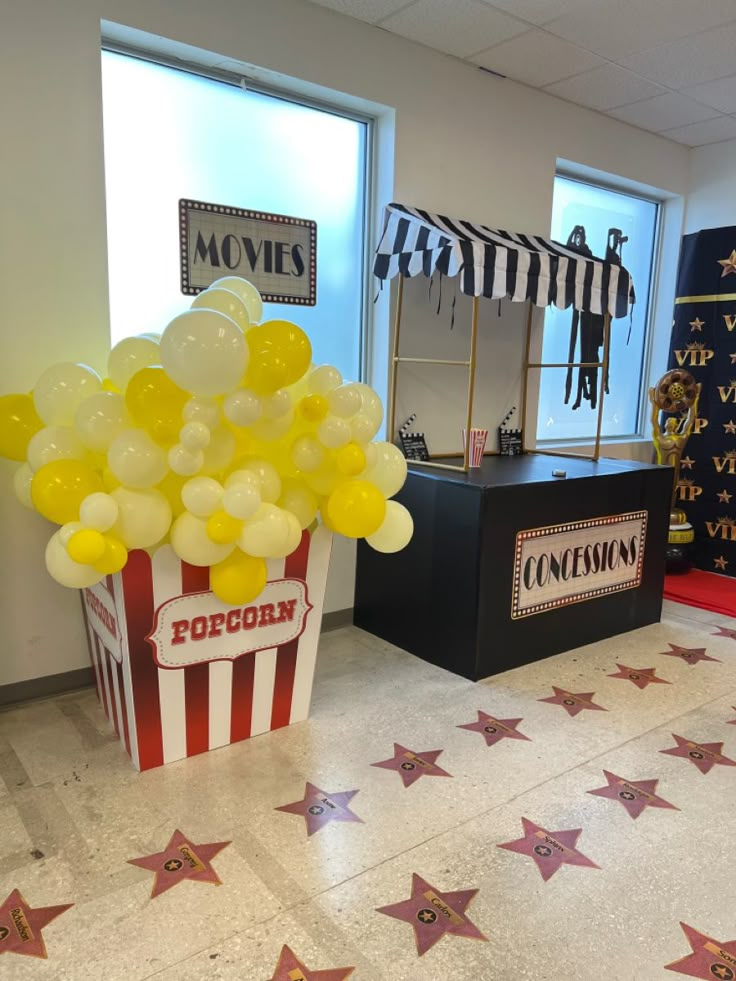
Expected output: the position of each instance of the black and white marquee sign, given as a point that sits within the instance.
(276, 253)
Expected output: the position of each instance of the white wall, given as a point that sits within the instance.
(465, 143)
(711, 201)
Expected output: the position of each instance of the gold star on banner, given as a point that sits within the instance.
(724, 497)
(720, 563)
(730, 426)
(733, 357)
(729, 265)
(697, 324)
(687, 463)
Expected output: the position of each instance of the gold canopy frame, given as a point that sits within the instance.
(397, 359)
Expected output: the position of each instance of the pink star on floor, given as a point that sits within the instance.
(493, 729)
(290, 968)
(641, 677)
(181, 860)
(549, 849)
(572, 702)
(725, 632)
(635, 795)
(432, 913)
(691, 655)
(21, 925)
(704, 755)
(411, 766)
(319, 808)
(710, 958)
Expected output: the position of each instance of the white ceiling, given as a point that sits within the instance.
(667, 66)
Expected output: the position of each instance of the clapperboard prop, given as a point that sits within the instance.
(509, 440)
(413, 444)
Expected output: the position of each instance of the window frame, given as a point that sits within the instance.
(241, 81)
(654, 265)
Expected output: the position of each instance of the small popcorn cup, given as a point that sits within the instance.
(478, 439)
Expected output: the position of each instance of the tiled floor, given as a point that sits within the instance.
(73, 812)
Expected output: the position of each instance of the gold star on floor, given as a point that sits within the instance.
(724, 497)
(687, 463)
(720, 563)
(729, 265)
(730, 426)
(697, 324)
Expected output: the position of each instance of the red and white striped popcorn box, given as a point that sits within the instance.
(478, 439)
(179, 673)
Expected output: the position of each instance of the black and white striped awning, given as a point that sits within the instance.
(497, 264)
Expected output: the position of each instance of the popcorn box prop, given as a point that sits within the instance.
(179, 673)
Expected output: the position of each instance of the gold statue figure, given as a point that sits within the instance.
(676, 391)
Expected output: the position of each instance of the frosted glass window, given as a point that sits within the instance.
(602, 213)
(170, 134)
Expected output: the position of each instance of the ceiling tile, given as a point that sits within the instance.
(664, 112)
(721, 94)
(542, 11)
(623, 27)
(459, 27)
(537, 58)
(699, 58)
(710, 131)
(367, 10)
(605, 88)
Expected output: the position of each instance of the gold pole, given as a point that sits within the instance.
(395, 361)
(604, 376)
(522, 417)
(471, 382)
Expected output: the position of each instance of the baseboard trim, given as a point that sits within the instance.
(337, 619)
(51, 684)
(57, 684)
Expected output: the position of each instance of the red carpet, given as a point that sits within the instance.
(703, 589)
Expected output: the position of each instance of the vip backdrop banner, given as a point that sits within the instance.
(704, 343)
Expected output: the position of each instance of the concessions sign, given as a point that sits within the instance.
(276, 253)
(574, 562)
(179, 673)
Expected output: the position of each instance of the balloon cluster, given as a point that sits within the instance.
(218, 436)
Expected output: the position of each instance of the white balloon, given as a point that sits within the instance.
(301, 502)
(277, 405)
(100, 418)
(135, 460)
(202, 496)
(294, 535)
(388, 471)
(225, 301)
(60, 391)
(66, 571)
(324, 379)
(99, 511)
(54, 443)
(202, 410)
(396, 530)
(192, 544)
(242, 407)
(130, 355)
(372, 405)
(220, 452)
(195, 435)
(204, 352)
(66, 531)
(247, 293)
(363, 428)
(22, 485)
(243, 477)
(334, 432)
(268, 479)
(185, 462)
(268, 534)
(345, 401)
(242, 500)
(144, 517)
(307, 454)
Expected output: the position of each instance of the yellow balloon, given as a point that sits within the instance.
(223, 528)
(314, 408)
(350, 460)
(356, 508)
(156, 403)
(239, 578)
(114, 558)
(171, 487)
(19, 421)
(58, 489)
(86, 546)
(280, 354)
